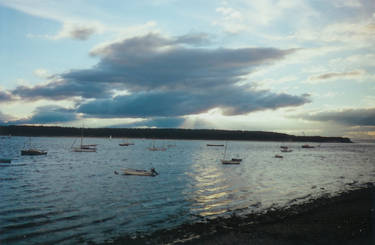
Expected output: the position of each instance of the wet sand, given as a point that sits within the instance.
(348, 218)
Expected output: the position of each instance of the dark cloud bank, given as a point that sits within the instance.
(350, 117)
(166, 77)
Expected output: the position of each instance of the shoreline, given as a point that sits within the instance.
(347, 218)
(165, 133)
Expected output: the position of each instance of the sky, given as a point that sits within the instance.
(291, 66)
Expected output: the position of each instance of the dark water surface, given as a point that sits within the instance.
(67, 197)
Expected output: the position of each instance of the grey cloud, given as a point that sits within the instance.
(336, 75)
(62, 90)
(153, 62)
(49, 114)
(166, 77)
(5, 97)
(351, 117)
(174, 103)
(81, 33)
(142, 104)
(197, 39)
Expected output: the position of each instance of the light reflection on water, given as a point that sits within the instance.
(71, 197)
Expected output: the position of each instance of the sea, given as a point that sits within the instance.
(68, 197)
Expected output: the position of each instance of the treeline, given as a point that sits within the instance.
(171, 133)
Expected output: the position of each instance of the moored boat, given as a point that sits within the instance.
(154, 148)
(33, 152)
(307, 146)
(157, 148)
(84, 147)
(129, 171)
(286, 150)
(229, 161)
(125, 144)
(223, 161)
(215, 145)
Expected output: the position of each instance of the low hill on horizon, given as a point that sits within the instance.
(164, 133)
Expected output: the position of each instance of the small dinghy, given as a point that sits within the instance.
(215, 145)
(152, 172)
(286, 150)
(223, 161)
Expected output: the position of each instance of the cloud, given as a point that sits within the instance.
(41, 73)
(347, 3)
(232, 20)
(166, 122)
(4, 118)
(356, 60)
(5, 96)
(166, 77)
(335, 75)
(153, 62)
(357, 34)
(81, 33)
(351, 117)
(241, 16)
(195, 39)
(77, 22)
(61, 89)
(48, 115)
(361, 132)
(233, 101)
(76, 31)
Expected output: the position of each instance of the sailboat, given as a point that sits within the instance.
(154, 148)
(32, 151)
(126, 143)
(84, 148)
(230, 161)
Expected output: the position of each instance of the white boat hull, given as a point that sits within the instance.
(78, 149)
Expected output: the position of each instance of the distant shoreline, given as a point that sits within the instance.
(165, 133)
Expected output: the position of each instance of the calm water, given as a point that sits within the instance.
(67, 197)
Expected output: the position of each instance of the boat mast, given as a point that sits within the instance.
(225, 149)
(81, 136)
